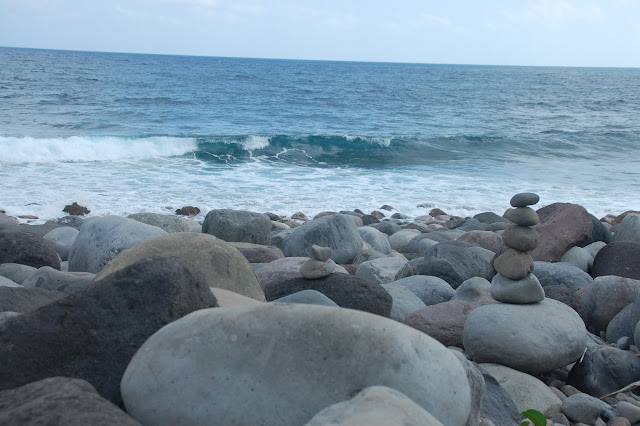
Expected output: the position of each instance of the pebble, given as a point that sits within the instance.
(522, 291)
(314, 269)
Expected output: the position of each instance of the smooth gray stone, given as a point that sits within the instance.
(607, 296)
(474, 289)
(337, 232)
(629, 411)
(376, 239)
(523, 216)
(623, 343)
(578, 257)
(400, 240)
(476, 384)
(375, 405)
(267, 357)
(66, 282)
(523, 238)
(532, 338)
(470, 224)
(525, 290)
(420, 243)
(524, 199)
(307, 297)
(621, 325)
(600, 233)
(628, 229)
(16, 272)
(561, 273)
(457, 261)
(431, 290)
(313, 269)
(513, 264)
(388, 227)
(6, 282)
(604, 370)
(169, 223)
(405, 302)
(321, 253)
(497, 405)
(489, 218)
(367, 254)
(278, 235)
(582, 408)
(384, 270)
(62, 239)
(238, 226)
(102, 239)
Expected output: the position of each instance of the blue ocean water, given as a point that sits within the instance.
(125, 133)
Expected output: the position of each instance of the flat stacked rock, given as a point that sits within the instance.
(514, 281)
(320, 266)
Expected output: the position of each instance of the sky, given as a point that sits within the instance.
(603, 33)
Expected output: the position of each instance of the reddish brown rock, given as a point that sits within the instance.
(299, 216)
(76, 209)
(485, 239)
(188, 211)
(562, 226)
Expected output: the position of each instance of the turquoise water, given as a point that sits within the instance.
(124, 133)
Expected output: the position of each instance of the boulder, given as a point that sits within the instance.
(27, 249)
(52, 279)
(92, 335)
(238, 226)
(431, 290)
(223, 266)
(594, 248)
(583, 408)
(167, 222)
(457, 261)
(347, 291)
(618, 258)
(562, 274)
(444, 321)
(375, 405)
(470, 224)
(534, 338)
(59, 401)
(338, 232)
(600, 233)
(62, 239)
(22, 299)
(188, 211)
(578, 257)
(266, 358)
(16, 272)
(420, 243)
(400, 240)
(307, 297)
(607, 296)
(285, 269)
(474, 289)
(568, 297)
(404, 301)
(621, 325)
(604, 370)
(7, 222)
(628, 229)
(102, 239)
(497, 404)
(562, 226)
(489, 217)
(257, 253)
(384, 270)
(387, 227)
(526, 391)
(376, 239)
(367, 254)
(485, 239)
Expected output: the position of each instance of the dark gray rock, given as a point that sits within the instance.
(62, 239)
(599, 233)
(566, 296)
(22, 299)
(582, 408)
(497, 404)
(27, 249)
(618, 258)
(476, 385)
(347, 291)
(368, 219)
(621, 325)
(420, 243)
(561, 273)
(431, 290)
(238, 226)
(72, 221)
(604, 370)
(167, 222)
(523, 216)
(376, 239)
(628, 229)
(307, 297)
(489, 218)
(59, 401)
(523, 238)
(338, 232)
(52, 279)
(525, 290)
(93, 334)
(524, 199)
(470, 224)
(388, 227)
(607, 296)
(457, 261)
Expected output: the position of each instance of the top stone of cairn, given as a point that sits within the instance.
(524, 199)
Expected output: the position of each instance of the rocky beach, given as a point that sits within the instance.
(349, 317)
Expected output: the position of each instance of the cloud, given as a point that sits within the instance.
(435, 20)
(553, 11)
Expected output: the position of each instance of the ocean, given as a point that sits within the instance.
(128, 133)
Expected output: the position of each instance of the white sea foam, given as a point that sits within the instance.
(382, 141)
(253, 142)
(86, 149)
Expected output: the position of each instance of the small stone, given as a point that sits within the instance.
(523, 216)
(314, 269)
(520, 238)
(321, 253)
(436, 212)
(76, 209)
(387, 207)
(524, 199)
(582, 408)
(629, 411)
(299, 216)
(514, 264)
(523, 291)
(188, 211)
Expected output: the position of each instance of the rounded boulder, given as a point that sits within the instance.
(238, 226)
(28, 249)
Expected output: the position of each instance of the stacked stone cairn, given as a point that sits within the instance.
(320, 266)
(514, 281)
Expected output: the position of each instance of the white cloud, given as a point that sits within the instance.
(435, 19)
(562, 10)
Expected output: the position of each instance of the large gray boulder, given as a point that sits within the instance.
(59, 401)
(222, 265)
(376, 239)
(431, 290)
(26, 248)
(578, 257)
(238, 226)
(384, 270)
(102, 239)
(375, 405)
(457, 261)
(607, 296)
(93, 334)
(62, 239)
(561, 273)
(404, 302)
(66, 282)
(283, 363)
(534, 338)
(628, 229)
(167, 222)
(336, 231)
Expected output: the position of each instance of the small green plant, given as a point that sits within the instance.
(536, 417)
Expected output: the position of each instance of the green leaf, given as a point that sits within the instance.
(536, 417)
